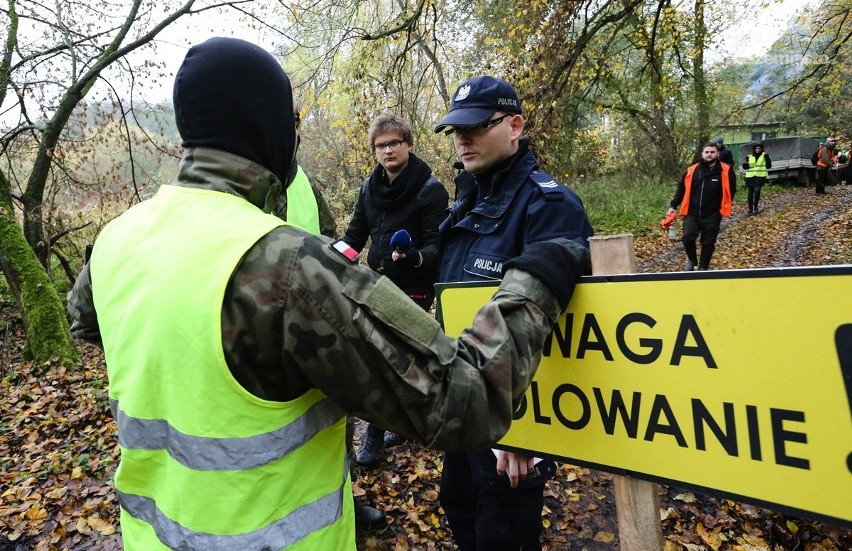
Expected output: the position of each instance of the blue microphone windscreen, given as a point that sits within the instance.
(401, 240)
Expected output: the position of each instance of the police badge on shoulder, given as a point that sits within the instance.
(343, 249)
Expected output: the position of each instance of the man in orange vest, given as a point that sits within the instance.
(706, 193)
(826, 161)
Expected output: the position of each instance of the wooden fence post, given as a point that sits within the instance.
(637, 501)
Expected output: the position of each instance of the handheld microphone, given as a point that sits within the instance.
(401, 241)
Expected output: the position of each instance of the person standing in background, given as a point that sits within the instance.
(725, 154)
(399, 208)
(826, 160)
(756, 166)
(843, 171)
(706, 192)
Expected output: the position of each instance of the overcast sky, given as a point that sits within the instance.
(756, 32)
(752, 35)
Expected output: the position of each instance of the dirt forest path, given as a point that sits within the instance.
(58, 442)
(796, 228)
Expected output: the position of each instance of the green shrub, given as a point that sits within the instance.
(624, 204)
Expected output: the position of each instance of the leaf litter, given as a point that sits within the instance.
(58, 446)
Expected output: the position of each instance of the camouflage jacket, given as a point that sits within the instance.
(298, 315)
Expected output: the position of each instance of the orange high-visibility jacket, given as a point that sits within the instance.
(727, 200)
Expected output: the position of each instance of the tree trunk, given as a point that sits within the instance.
(702, 107)
(48, 335)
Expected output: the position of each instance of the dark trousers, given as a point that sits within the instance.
(754, 184)
(485, 513)
(822, 179)
(707, 229)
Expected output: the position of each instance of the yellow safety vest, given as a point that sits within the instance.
(302, 209)
(757, 167)
(205, 464)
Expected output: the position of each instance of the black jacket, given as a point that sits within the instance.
(706, 195)
(726, 156)
(416, 202)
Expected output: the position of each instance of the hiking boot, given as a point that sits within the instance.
(690, 266)
(372, 449)
(369, 518)
(393, 439)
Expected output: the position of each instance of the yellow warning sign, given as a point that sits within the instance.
(736, 382)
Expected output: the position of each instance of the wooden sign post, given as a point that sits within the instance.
(637, 501)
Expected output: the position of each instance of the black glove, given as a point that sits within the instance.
(411, 260)
(745, 166)
(558, 264)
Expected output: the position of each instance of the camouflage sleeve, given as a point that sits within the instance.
(354, 335)
(81, 309)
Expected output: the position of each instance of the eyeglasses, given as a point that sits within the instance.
(392, 145)
(478, 128)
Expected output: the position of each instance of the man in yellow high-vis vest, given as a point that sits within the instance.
(757, 167)
(236, 343)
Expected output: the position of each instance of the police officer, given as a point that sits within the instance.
(756, 166)
(504, 210)
(235, 343)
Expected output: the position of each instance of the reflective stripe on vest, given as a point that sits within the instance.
(302, 207)
(279, 534)
(222, 454)
(727, 200)
(200, 454)
(757, 167)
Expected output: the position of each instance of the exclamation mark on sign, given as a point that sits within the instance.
(843, 342)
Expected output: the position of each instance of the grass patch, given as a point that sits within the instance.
(619, 204)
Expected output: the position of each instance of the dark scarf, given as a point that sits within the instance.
(405, 186)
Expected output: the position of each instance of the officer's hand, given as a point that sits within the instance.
(745, 166)
(558, 264)
(515, 465)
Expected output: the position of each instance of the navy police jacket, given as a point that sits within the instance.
(523, 206)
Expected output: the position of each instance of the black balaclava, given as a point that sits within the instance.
(232, 95)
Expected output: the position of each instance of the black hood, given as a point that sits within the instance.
(232, 95)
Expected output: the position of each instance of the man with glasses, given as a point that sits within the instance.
(400, 197)
(504, 206)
